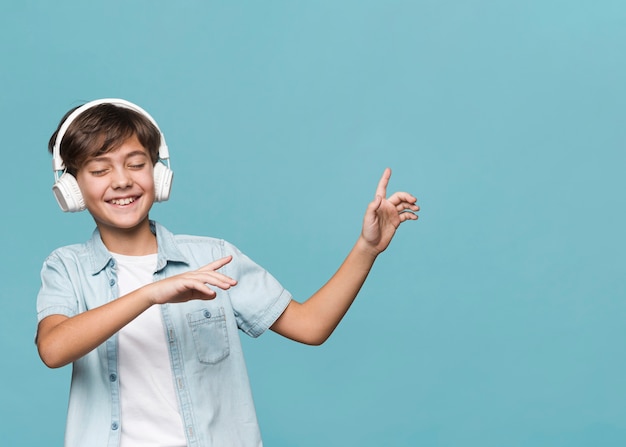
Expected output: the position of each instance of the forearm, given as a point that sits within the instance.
(314, 320)
(62, 340)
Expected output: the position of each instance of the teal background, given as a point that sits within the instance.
(497, 319)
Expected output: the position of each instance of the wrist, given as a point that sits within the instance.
(147, 295)
(367, 249)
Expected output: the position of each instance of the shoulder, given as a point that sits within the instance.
(189, 239)
(90, 256)
(193, 243)
(182, 241)
(166, 238)
(67, 253)
(193, 249)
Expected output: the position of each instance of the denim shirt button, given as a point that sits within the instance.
(207, 314)
(113, 377)
(111, 282)
(114, 426)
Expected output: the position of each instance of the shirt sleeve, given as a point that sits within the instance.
(258, 299)
(56, 295)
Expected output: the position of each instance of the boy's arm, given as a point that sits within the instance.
(62, 339)
(313, 321)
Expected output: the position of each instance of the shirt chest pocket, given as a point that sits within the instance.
(210, 335)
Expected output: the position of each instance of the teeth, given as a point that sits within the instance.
(125, 201)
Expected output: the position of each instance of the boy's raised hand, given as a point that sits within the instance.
(315, 319)
(385, 214)
(192, 285)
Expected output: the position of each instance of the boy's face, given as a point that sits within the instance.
(118, 187)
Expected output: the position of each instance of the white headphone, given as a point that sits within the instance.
(66, 188)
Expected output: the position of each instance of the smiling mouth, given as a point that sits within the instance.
(125, 201)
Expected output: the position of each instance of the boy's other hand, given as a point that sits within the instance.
(193, 285)
(384, 215)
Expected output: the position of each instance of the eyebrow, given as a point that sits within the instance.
(107, 158)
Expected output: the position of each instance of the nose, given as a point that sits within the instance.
(121, 179)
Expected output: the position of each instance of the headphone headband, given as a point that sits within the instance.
(57, 161)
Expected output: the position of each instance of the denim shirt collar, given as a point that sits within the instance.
(167, 249)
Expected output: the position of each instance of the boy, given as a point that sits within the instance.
(148, 319)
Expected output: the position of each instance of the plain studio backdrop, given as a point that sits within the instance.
(497, 319)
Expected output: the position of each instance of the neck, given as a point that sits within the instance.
(136, 241)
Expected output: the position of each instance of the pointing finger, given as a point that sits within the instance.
(217, 264)
(381, 190)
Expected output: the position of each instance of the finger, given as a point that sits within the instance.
(403, 200)
(400, 196)
(381, 189)
(206, 287)
(219, 280)
(375, 204)
(217, 264)
(211, 277)
(196, 289)
(407, 215)
(404, 206)
(206, 291)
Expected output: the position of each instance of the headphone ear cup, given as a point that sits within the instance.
(162, 182)
(68, 194)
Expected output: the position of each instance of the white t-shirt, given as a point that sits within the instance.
(149, 406)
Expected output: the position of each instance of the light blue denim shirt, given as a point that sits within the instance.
(207, 361)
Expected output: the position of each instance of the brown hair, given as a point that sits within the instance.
(101, 129)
